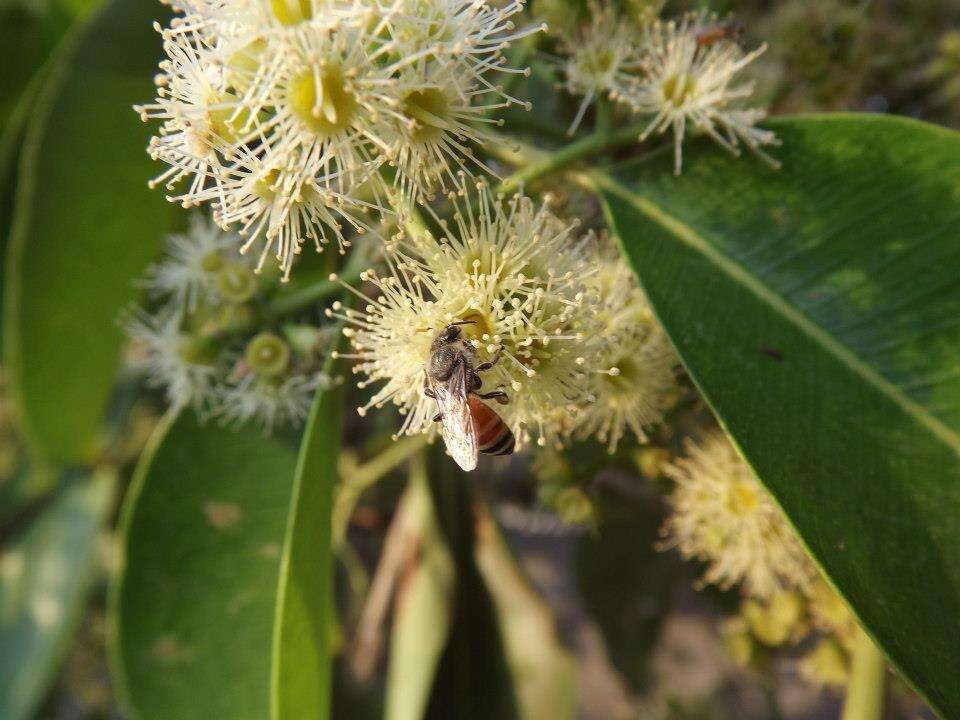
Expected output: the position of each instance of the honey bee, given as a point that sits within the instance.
(468, 425)
(711, 34)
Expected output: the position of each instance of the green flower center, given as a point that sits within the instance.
(321, 101)
(268, 355)
(428, 108)
(236, 283)
(291, 12)
(211, 262)
(195, 350)
(677, 89)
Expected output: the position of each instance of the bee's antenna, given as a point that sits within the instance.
(464, 322)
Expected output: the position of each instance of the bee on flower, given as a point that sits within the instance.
(510, 278)
(723, 516)
(281, 115)
(689, 79)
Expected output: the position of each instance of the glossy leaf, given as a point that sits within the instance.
(85, 226)
(46, 574)
(818, 309)
(301, 669)
(194, 604)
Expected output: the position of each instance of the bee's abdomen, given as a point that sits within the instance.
(493, 435)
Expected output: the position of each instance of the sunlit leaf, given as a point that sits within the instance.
(423, 607)
(301, 676)
(818, 309)
(543, 672)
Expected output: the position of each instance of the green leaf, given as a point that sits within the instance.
(194, 603)
(85, 226)
(28, 32)
(423, 608)
(300, 673)
(46, 574)
(818, 309)
(542, 671)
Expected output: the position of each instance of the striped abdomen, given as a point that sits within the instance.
(493, 435)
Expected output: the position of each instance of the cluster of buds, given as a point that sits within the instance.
(283, 114)
(203, 344)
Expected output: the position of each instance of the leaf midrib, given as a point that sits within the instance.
(763, 292)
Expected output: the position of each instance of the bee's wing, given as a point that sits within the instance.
(457, 427)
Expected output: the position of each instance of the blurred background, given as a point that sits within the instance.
(644, 641)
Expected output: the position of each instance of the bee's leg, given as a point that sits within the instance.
(438, 417)
(499, 395)
(487, 365)
(427, 390)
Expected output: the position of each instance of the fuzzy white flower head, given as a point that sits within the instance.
(269, 402)
(187, 276)
(512, 272)
(281, 113)
(603, 60)
(633, 380)
(689, 80)
(723, 516)
(273, 383)
(183, 365)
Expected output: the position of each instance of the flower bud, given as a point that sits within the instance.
(236, 283)
(268, 355)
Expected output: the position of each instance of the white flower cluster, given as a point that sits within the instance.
(683, 74)
(281, 114)
(570, 329)
(202, 347)
(723, 516)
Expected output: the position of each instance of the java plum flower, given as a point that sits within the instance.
(183, 364)
(632, 381)
(282, 115)
(189, 272)
(602, 59)
(689, 84)
(517, 276)
(721, 515)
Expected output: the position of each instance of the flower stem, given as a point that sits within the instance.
(604, 115)
(304, 297)
(535, 162)
(354, 479)
(867, 684)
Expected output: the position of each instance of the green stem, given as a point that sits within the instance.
(536, 162)
(604, 115)
(354, 479)
(867, 684)
(395, 454)
(288, 303)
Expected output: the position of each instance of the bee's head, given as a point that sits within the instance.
(452, 332)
